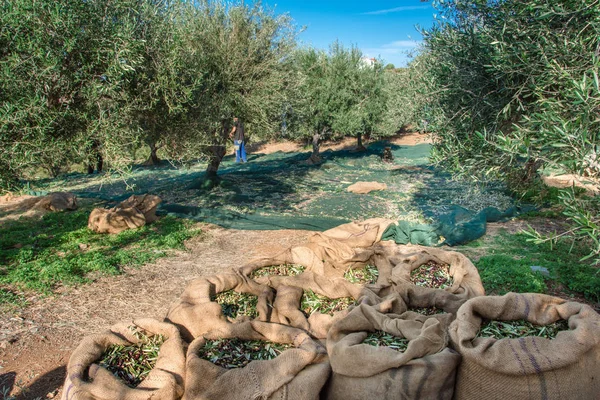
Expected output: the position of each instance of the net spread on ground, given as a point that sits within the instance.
(281, 191)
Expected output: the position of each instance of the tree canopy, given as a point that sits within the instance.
(337, 94)
(172, 74)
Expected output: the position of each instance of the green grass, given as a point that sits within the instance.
(504, 263)
(58, 249)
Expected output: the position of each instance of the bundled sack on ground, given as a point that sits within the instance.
(58, 201)
(375, 355)
(216, 301)
(146, 204)
(527, 346)
(366, 187)
(332, 252)
(292, 366)
(132, 213)
(427, 267)
(101, 367)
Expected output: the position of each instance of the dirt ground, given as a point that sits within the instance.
(406, 139)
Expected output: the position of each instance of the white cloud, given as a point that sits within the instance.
(402, 44)
(397, 47)
(396, 52)
(397, 9)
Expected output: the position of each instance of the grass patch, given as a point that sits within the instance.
(365, 276)
(312, 303)
(506, 266)
(384, 339)
(133, 363)
(520, 328)
(237, 353)
(280, 270)
(236, 304)
(39, 254)
(9, 299)
(501, 274)
(432, 275)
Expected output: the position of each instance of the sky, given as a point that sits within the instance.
(385, 29)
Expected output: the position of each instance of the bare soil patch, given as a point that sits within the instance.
(406, 139)
(13, 207)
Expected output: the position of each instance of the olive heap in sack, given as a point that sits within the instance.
(347, 316)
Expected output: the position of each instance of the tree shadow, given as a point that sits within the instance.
(280, 185)
(49, 383)
(7, 382)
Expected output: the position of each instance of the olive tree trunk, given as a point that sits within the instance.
(153, 158)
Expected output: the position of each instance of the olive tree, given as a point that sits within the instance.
(235, 60)
(514, 89)
(338, 95)
(62, 67)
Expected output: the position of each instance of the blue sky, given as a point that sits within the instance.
(379, 28)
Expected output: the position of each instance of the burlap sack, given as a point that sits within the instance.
(115, 220)
(566, 367)
(146, 204)
(132, 213)
(286, 310)
(196, 312)
(425, 370)
(330, 253)
(396, 262)
(414, 299)
(89, 381)
(58, 201)
(366, 187)
(296, 374)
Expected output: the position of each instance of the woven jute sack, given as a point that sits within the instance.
(566, 367)
(332, 252)
(286, 310)
(289, 291)
(58, 201)
(298, 373)
(132, 213)
(409, 298)
(357, 234)
(146, 204)
(115, 220)
(425, 370)
(366, 187)
(196, 312)
(396, 262)
(86, 380)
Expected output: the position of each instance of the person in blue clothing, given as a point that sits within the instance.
(237, 134)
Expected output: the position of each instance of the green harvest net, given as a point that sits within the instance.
(281, 191)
